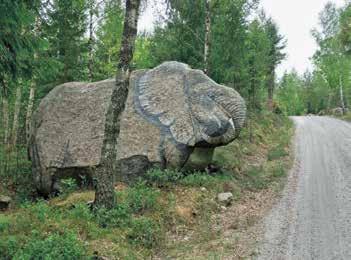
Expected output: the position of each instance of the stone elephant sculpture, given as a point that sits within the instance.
(173, 113)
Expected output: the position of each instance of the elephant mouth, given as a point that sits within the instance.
(228, 119)
(217, 133)
(216, 129)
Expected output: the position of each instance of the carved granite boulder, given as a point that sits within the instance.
(175, 116)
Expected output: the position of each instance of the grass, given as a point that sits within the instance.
(347, 117)
(254, 171)
(259, 163)
(168, 214)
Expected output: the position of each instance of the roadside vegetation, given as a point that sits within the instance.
(166, 214)
(327, 89)
(347, 117)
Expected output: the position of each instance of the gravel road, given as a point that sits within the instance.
(313, 218)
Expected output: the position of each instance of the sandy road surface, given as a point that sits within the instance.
(313, 218)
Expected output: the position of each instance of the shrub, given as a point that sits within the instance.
(81, 212)
(276, 153)
(256, 179)
(55, 246)
(8, 247)
(68, 186)
(39, 210)
(199, 179)
(279, 171)
(163, 177)
(117, 217)
(4, 223)
(141, 197)
(145, 232)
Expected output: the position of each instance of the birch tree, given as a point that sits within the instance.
(30, 108)
(16, 116)
(104, 173)
(207, 35)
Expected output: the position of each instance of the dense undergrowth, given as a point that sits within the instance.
(152, 214)
(347, 117)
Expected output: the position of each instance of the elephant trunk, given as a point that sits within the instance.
(234, 106)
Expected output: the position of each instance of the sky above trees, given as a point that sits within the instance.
(295, 19)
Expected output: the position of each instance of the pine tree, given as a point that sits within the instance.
(275, 56)
(66, 27)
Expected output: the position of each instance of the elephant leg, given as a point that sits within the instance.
(175, 155)
(199, 159)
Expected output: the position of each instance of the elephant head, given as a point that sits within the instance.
(188, 106)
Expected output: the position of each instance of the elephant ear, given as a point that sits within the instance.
(162, 100)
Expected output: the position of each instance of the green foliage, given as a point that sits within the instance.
(290, 93)
(276, 153)
(277, 43)
(66, 228)
(255, 179)
(200, 179)
(243, 53)
(119, 216)
(271, 131)
(329, 85)
(66, 26)
(108, 41)
(49, 45)
(347, 117)
(68, 186)
(55, 246)
(169, 178)
(258, 45)
(23, 235)
(81, 212)
(162, 178)
(4, 223)
(145, 232)
(8, 247)
(40, 210)
(141, 198)
(138, 199)
(16, 39)
(185, 27)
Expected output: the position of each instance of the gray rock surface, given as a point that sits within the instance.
(338, 111)
(225, 198)
(4, 202)
(171, 111)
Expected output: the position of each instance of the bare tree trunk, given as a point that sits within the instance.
(91, 41)
(270, 88)
(16, 116)
(5, 119)
(30, 110)
(207, 36)
(341, 91)
(104, 174)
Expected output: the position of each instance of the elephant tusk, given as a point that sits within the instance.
(231, 122)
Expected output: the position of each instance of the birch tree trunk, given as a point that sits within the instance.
(16, 116)
(270, 88)
(104, 173)
(91, 40)
(207, 36)
(341, 92)
(30, 110)
(5, 123)
(5, 113)
(5, 119)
